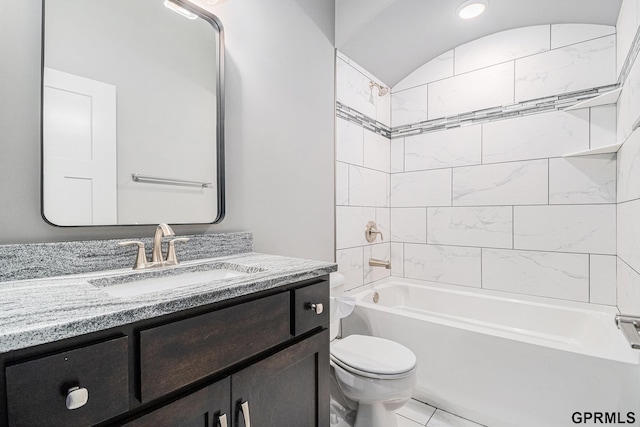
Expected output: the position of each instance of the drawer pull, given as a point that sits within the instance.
(244, 408)
(222, 420)
(77, 397)
(317, 308)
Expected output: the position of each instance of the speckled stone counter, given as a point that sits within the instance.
(44, 310)
(35, 260)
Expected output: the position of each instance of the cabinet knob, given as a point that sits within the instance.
(222, 420)
(77, 397)
(317, 308)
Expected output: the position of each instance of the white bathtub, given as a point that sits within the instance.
(502, 361)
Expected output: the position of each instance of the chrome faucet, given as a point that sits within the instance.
(379, 263)
(163, 230)
(157, 259)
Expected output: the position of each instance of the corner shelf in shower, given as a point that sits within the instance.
(604, 99)
(613, 148)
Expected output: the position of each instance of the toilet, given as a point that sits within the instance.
(369, 375)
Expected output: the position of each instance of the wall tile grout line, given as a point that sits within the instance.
(495, 248)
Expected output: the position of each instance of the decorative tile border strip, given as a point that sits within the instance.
(557, 102)
(631, 57)
(354, 116)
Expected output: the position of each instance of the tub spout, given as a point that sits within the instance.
(379, 263)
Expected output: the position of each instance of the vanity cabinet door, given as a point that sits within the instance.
(288, 389)
(207, 407)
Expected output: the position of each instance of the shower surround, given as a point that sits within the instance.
(493, 204)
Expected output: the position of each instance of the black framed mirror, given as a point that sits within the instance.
(132, 113)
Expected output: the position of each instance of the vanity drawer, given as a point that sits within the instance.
(37, 390)
(177, 354)
(306, 314)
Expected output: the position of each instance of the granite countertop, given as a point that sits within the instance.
(44, 310)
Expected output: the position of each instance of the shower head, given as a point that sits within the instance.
(382, 90)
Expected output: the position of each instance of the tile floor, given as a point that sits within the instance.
(418, 414)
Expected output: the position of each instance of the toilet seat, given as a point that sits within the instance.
(373, 357)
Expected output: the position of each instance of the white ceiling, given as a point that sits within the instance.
(392, 38)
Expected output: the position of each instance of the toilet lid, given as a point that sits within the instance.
(374, 355)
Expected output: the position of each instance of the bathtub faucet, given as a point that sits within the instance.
(379, 263)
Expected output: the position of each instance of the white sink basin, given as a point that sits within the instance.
(158, 280)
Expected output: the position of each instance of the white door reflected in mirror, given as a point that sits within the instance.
(131, 89)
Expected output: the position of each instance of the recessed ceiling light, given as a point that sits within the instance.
(472, 8)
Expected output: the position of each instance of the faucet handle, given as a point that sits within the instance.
(371, 231)
(172, 259)
(141, 257)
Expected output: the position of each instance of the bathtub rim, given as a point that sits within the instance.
(622, 354)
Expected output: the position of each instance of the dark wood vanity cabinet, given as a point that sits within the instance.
(263, 358)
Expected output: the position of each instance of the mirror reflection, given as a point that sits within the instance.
(132, 113)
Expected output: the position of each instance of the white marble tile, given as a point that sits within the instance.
(377, 151)
(383, 221)
(547, 274)
(633, 83)
(350, 224)
(444, 264)
(380, 251)
(602, 279)
(397, 259)
(409, 225)
(438, 68)
(582, 180)
(417, 411)
(501, 47)
(352, 89)
(516, 183)
(447, 148)
(349, 142)
(536, 136)
(629, 169)
(489, 87)
(626, 30)
(368, 187)
(629, 233)
(566, 34)
(397, 155)
(351, 265)
(409, 106)
(623, 130)
(342, 183)
(364, 71)
(628, 288)
(405, 422)
(603, 126)
(471, 226)
(445, 419)
(567, 69)
(427, 188)
(383, 109)
(566, 228)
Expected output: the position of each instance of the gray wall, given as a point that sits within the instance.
(279, 128)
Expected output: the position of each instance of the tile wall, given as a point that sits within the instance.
(628, 192)
(493, 205)
(362, 174)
